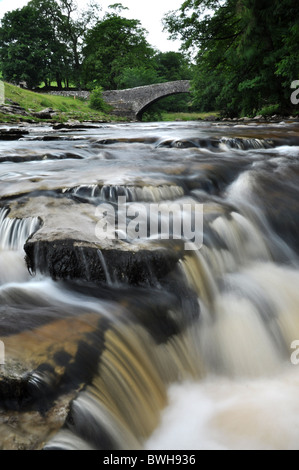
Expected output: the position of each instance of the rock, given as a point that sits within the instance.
(12, 133)
(70, 125)
(258, 118)
(29, 430)
(48, 110)
(43, 373)
(73, 123)
(46, 113)
(13, 109)
(73, 259)
(66, 246)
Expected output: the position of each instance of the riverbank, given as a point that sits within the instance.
(26, 106)
(22, 105)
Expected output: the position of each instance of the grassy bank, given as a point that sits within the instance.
(189, 116)
(67, 108)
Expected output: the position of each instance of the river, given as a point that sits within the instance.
(121, 334)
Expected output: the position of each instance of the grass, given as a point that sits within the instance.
(189, 116)
(67, 107)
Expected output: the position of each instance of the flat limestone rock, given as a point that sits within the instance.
(67, 246)
(42, 374)
(36, 361)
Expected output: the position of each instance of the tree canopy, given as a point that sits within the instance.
(43, 41)
(113, 45)
(27, 42)
(244, 51)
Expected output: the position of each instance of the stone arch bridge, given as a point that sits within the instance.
(133, 102)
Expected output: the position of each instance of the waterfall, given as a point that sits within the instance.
(146, 193)
(122, 406)
(15, 232)
(245, 144)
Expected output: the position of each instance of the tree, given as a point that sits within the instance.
(243, 51)
(43, 41)
(29, 49)
(113, 45)
(173, 66)
(73, 27)
(131, 77)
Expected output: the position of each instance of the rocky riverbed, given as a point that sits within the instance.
(97, 322)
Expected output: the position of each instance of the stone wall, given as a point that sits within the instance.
(77, 94)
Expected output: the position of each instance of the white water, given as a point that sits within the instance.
(249, 397)
(223, 414)
(15, 232)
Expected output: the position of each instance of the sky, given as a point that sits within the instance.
(149, 12)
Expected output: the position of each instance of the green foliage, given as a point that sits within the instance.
(96, 100)
(245, 52)
(193, 116)
(46, 103)
(163, 67)
(173, 66)
(26, 39)
(41, 42)
(270, 110)
(113, 45)
(131, 77)
(152, 115)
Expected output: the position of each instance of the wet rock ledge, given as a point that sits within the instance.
(66, 247)
(74, 259)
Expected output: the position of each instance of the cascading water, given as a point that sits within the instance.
(13, 235)
(141, 344)
(112, 193)
(14, 232)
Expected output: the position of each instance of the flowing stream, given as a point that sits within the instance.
(139, 343)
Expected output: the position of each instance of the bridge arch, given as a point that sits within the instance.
(133, 102)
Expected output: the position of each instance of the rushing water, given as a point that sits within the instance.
(143, 345)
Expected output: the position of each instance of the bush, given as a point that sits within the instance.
(96, 100)
(269, 110)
